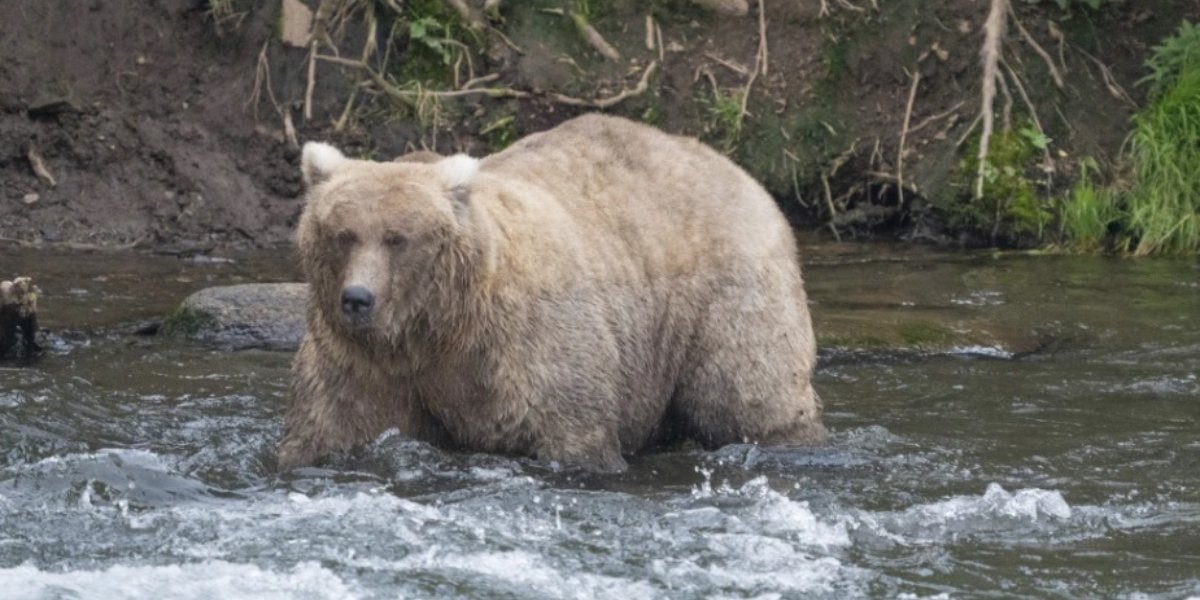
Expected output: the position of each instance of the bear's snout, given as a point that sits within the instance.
(357, 301)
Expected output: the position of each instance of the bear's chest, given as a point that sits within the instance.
(465, 398)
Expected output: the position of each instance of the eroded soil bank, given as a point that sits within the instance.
(156, 123)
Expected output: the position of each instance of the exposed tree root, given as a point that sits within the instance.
(1048, 162)
(912, 96)
(1114, 89)
(642, 86)
(934, 118)
(760, 61)
(588, 33)
(413, 97)
(1058, 78)
(993, 34)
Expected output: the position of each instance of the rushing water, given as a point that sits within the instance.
(132, 467)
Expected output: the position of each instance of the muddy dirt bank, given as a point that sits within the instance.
(144, 120)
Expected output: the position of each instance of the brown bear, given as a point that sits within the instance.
(592, 291)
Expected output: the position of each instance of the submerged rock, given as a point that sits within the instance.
(255, 315)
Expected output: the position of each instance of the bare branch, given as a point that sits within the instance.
(642, 86)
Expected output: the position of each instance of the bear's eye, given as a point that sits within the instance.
(345, 238)
(394, 240)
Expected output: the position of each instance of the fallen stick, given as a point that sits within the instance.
(932, 118)
(736, 68)
(594, 38)
(642, 86)
(390, 89)
(39, 166)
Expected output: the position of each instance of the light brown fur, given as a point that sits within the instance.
(594, 290)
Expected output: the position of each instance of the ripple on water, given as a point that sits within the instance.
(139, 477)
(1091, 445)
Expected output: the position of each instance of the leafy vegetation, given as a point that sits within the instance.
(1173, 58)
(1164, 204)
(1010, 204)
(1160, 212)
(1157, 212)
(1090, 212)
(725, 116)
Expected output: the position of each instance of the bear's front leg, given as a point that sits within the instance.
(335, 405)
(595, 450)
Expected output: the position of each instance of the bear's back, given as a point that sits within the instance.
(628, 192)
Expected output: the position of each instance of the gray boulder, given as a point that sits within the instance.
(254, 315)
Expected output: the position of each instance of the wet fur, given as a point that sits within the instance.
(592, 291)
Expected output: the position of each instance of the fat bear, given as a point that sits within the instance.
(589, 292)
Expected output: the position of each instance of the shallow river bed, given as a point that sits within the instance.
(136, 467)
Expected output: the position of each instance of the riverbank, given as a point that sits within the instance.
(860, 120)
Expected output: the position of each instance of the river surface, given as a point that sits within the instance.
(136, 467)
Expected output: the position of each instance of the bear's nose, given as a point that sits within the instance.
(357, 300)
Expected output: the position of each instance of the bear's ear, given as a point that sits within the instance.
(457, 171)
(319, 161)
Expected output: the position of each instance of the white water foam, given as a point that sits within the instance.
(985, 351)
(759, 542)
(199, 581)
(997, 510)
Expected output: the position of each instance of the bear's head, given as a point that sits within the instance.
(382, 240)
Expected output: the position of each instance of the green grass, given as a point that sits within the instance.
(1169, 59)
(1159, 212)
(1091, 212)
(725, 117)
(1164, 204)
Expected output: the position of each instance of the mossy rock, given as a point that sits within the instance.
(259, 315)
(186, 321)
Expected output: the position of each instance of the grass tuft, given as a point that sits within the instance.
(1164, 204)
(725, 117)
(1091, 212)
(1160, 212)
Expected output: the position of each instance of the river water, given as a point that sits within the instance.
(134, 467)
